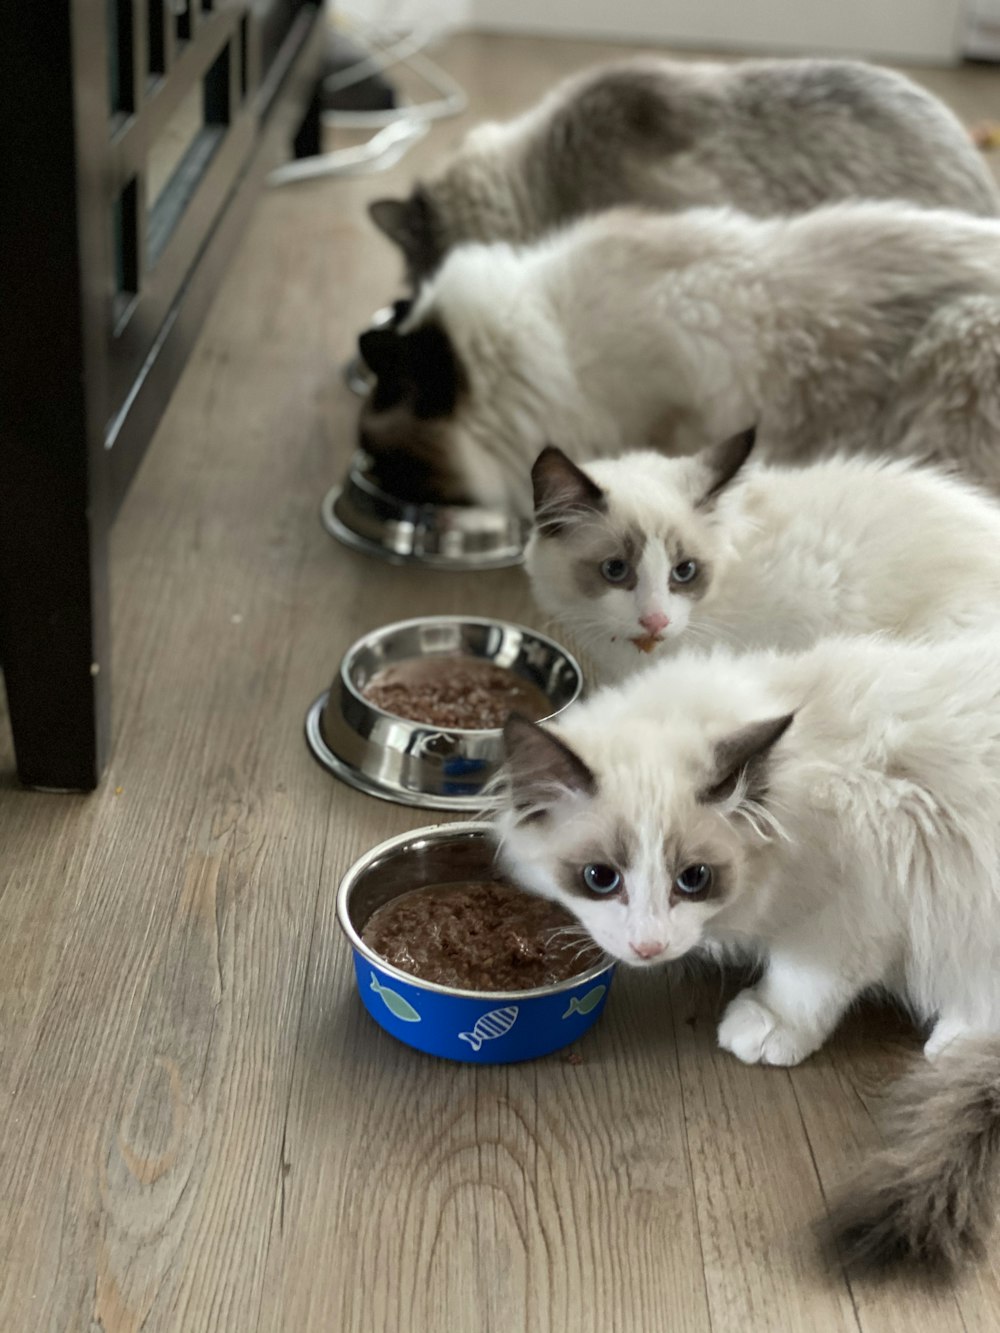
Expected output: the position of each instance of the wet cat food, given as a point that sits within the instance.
(460, 691)
(479, 936)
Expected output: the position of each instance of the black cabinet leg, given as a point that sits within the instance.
(54, 639)
(309, 139)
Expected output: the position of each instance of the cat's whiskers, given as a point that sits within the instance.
(710, 631)
(573, 931)
(575, 941)
(762, 820)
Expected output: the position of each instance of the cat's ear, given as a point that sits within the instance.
(740, 761)
(409, 223)
(394, 218)
(719, 464)
(563, 492)
(540, 767)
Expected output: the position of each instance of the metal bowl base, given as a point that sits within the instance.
(361, 782)
(338, 529)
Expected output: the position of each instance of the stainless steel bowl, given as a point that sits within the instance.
(410, 762)
(482, 1027)
(357, 376)
(363, 516)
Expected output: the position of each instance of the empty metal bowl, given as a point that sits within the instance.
(480, 1027)
(413, 763)
(448, 536)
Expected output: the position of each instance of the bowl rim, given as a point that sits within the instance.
(339, 529)
(360, 473)
(537, 635)
(354, 873)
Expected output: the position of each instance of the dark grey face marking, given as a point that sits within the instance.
(574, 879)
(411, 459)
(678, 858)
(717, 887)
(572, 883)
(628, 547)
(419, 387)
(617, 854)
(744, 754)
(601, 880)
(694, 883)
(695, 587)
(616, 571)
(419, 368)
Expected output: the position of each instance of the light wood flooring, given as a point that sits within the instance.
(200, 1129)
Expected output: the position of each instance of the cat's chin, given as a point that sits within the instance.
(647, 643)
(619, 657)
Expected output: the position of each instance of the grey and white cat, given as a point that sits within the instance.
(834, 814)
(768, 136)
(642, 555)
(874, 323)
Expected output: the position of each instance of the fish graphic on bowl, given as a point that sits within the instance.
(479, 1027)
(497, 1023)
(394, 1002)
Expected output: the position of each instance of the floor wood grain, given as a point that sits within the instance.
(200, 1129)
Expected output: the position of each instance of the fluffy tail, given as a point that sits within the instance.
(927, 1199)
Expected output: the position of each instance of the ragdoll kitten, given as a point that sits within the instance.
(769, 136)
(640, 555)
(836, 813)
(873, 322)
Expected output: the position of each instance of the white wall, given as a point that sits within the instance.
(982, 29)
(918, 30)
(398, 15)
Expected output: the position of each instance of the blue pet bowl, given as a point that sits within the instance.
(478, 1027)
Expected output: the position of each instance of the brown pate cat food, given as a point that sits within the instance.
(455, 691)
(483, 935)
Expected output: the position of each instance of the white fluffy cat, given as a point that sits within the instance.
(876, 323)
(639, 555)
(837, 814)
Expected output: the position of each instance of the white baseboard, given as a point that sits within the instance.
(923, 31)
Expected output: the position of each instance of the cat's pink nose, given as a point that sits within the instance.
(654, 622)
(647, 948)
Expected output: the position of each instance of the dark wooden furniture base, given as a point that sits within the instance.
(108, 265)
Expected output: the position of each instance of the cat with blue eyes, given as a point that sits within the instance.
(832, 816)
(639, 555)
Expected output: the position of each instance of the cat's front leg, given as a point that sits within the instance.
(788, 1014)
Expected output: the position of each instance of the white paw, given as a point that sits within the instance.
(751, 1032)
(944, 1033)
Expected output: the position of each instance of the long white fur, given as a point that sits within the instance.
(848, 545)
(874, 322)
(886, 792)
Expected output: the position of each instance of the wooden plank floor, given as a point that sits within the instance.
(200, 1129)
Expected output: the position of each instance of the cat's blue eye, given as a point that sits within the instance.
(694, 881)
(615, 571)
(685, 571)
(601, 879)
